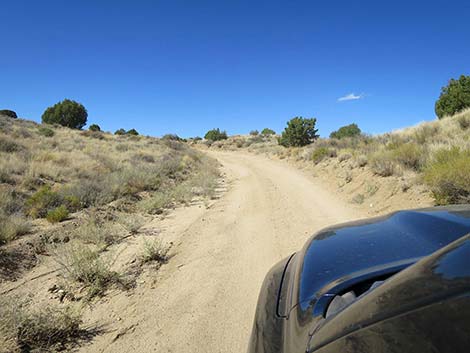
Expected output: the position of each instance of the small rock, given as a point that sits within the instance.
(54, 288)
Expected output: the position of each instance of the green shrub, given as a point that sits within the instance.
(254, 132)
(299, 132)
(321, 153)
(8, 113)
(94, 127)
(266, 132)
(43, 201)
(66, 113)
(132, 132)
(120, 132)
(58, 214)
(454, 97)
(448, 176)
(215, 135)
(45, 131)
(351, 130)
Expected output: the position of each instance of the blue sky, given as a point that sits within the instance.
(187, 66)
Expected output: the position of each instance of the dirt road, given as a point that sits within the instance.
(204, 299)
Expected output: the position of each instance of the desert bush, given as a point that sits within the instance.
(10, 201)
(351, 130)
(254, 132)
(358, 199)
(132, 224)
(383, 163)
(97, 232)
(12, 227)
(94, 127)
(425, 133)
(43, 201)
(132, 132)
(410, 155)
(120, 132)
(172, 137)
(57, 214)
(45, 131)
(8, 145)
(8, 113)
(83, 264)
(66, 113)
(361, 161)
(321, 153)
(215, 135)
(154, 251)
(344, 156)
(454, 97)
(299, 132)
(90, 192)
(93, 134)
(448, 176)
(42, 329)
(158, 202)
(266, 132)
(464, 121)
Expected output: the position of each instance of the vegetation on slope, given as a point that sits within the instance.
(435, 154)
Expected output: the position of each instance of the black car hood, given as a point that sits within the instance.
(393, 241)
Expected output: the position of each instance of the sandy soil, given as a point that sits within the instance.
(203, 300)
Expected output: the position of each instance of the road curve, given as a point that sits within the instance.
(205, 297)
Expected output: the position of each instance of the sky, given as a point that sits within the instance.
(185, 67)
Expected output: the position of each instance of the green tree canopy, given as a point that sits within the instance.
(66, 113)
(132, 132)
(9, 113)
(266, 131)
(346, 131)
(454, 97)
(215, 135)
(120, 132)
(299, 132)
(94, 127)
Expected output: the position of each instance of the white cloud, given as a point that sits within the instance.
(351, 97)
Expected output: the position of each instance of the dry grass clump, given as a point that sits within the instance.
(154, 251)
(383, 163)
(86, 266)
(97, 232)
(42, 329)
(12, 226)
(321, 153)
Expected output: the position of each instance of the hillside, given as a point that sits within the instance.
(69, 200)
(414, 167)
(118, 243)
